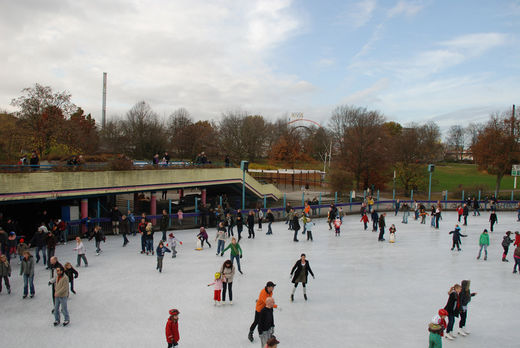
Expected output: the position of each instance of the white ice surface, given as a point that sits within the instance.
(366, 293)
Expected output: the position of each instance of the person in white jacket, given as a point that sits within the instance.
(80, 248)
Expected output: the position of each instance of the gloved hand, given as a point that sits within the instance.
(175, 344)
(221, 254)
(240, 256)
(180, 243)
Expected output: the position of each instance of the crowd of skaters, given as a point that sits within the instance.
(227, 220)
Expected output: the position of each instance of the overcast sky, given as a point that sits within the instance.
(450, 61)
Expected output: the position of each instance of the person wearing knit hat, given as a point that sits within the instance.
(435, 335)
(172, 328)
(440, 319)
(22, 247)
(506, 241)
(456, 237)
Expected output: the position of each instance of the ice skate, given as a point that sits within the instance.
(230, 302)
(462, 333)
(449, 336)
(66, 322)
(56, 323)
(466, 331)
(292, 298)
(250, 336)
(305, 297)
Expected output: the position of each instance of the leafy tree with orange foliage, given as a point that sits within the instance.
(497, 146)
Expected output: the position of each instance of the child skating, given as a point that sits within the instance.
(517, 259)
(80, 249)
(392, 230)
(506, 241)
(456, 238)
(172, 243)
(161, 249)
(172, 329)
(364, 219)
(203, 237)
(217, 288)
(309, 226)
(337, 226)
(71, 274)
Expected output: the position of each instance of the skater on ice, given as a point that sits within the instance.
(265, 293)
(172, 243)
(465, 299)
(217, 284)
(506, 241)
(456, 238)
(61, 295)
(484, 243)
(227, 272)
(71, 274)
(392, 231)
(172, 329)
(203, 237)
(453, 307)
(81, 250)
(5, 273)
(300, 273)
(236, 252)
(161, 249)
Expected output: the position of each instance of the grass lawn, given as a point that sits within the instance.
(451, 176)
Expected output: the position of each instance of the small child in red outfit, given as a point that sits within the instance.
(218, 288)
(337, 225)
(364, 219)
(172, 328)
(440, 319)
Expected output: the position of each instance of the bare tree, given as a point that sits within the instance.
(456, 140)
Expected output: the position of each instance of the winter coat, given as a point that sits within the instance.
(517, 252)
(453, 304)
(260, 303)
(465, 211)
(374, 216)
(236, 250)
(115, 215)
(298, 268)
(172, 242)
(202, 234)
(476, 204)
(309, 225)
(239, 220)
(382, 222)
(456, 234)
(506, 241)
(517, 239)
(270, 217)
(217, 283)
(251, 221)
(165, 221)
(5, 269)
(61, 286)
(27, 267)
(266, 320)
(38, 240)
(124, 226)
(484, 239)
(295, 223)
(260, 214)
(221, 235)
(493, 217)
(99, 236)
(160, 251)
(71, 274)
(466, 294)
(227, 274)
(22, 247)
(172, 331)
(364, 218)
(435, 340)
(80, 248)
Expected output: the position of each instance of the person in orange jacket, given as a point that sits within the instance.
(172, 328)
(266, 292)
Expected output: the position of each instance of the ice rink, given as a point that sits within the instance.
(366, 293)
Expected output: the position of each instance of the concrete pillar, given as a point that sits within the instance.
(181, 193)
(203, 196)
(84, 213)
(153, 206)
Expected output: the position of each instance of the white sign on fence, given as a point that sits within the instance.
(515, 171)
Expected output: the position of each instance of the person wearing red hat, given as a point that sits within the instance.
(22, 247)
(172, 328)
(440, 319)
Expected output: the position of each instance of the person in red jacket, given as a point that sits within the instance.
(172, 328)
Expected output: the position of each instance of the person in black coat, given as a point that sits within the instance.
(115, 217)
(453, 307)
(124, 227)
(456, 237)
(465, 213)
(71, 274)
(375, 220)
(239, 220)
(251, 224)
(465, 298)
(492, 219)
(295, 226)
(301, 270)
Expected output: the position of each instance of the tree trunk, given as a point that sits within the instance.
(497, 187)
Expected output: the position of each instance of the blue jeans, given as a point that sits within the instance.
(237, 257)
(482, 246)
(44, 253)
(230, 230)
(269, 230)
(64, 235)
(220, 246)
(28, 281)
(149, 245)
(405, 217)
(60, 301)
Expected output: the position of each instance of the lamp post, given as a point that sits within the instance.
(244, 165)
(431, 168)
